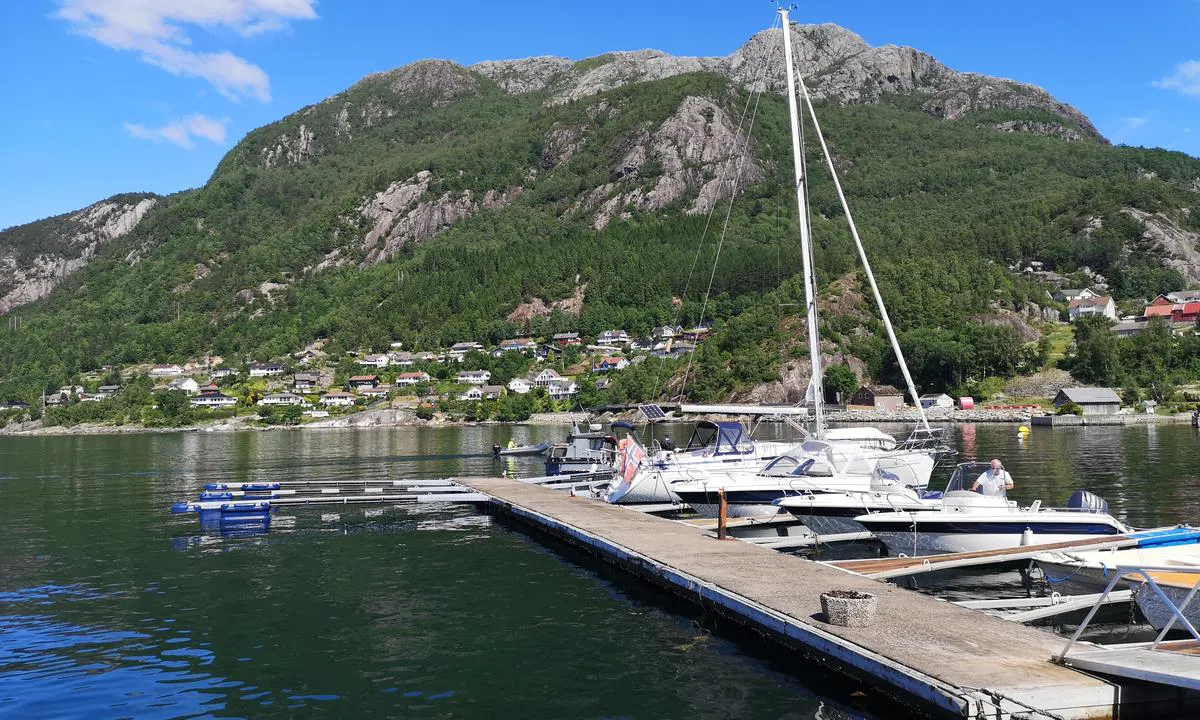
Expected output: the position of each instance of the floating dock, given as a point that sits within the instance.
(934, 657)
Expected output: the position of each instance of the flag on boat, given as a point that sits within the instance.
(631, 454)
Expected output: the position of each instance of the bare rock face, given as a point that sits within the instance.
(794, 375)
(1179, 248)
(538, 307)
(759, 62)
(1046, 129)
(961, 93)
(561, 143)
(698, 147)
(1007, 318)
(836, 64)
(290, 149)
(406, 212)
(606, 72)
(440, 81)
(24, 280)
(518, 77)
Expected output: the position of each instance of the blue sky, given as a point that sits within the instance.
(107, 96)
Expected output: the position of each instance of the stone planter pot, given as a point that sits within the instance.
(848, 608)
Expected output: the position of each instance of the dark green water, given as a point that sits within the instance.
(110, 607)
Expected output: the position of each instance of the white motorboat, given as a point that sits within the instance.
(967, 521)
(818, 467)
(894, 488)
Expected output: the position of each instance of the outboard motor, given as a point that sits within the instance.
(1084, 500)
(496, 450)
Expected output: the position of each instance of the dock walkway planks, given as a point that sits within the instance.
(943, 659)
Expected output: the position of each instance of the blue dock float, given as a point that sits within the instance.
(933, 657)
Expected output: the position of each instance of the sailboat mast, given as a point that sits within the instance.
(862, 256)
(810, 295)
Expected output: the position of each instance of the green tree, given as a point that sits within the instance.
(842, 379)
(1096, 358)
(174, 406)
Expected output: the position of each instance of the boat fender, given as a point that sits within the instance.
(1026, 537)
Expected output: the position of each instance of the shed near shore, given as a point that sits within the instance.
(878, 397)
(1094, 401)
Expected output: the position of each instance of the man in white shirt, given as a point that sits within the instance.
(994, 482)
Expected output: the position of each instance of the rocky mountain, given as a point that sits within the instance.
(436, 202)
(34, 258)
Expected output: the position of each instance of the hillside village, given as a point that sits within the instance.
(508, 381)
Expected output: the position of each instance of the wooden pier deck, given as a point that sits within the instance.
(931, 655)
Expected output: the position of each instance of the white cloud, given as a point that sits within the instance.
(1185, 79)
(1133, 123)
(158, 30)
(182, 131)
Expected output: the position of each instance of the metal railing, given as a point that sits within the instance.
(1122, 572)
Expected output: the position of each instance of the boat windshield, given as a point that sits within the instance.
(893, 473)
(965, 475)
(792, 466)
(720, 437)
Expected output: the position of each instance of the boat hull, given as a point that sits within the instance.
(829, 513)
(1158, 613)
(950, 536)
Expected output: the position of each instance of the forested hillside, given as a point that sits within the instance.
(429, 203)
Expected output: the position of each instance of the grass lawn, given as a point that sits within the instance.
(1060, 340)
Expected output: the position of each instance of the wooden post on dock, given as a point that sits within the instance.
(722, 516)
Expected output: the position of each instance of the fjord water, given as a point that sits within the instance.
(111, 607)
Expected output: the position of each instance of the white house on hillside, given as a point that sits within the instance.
(1094, 305)
(281, 399)
(474, 377)
(266, 369)
(165, 370)
(376, 361)
(459, 350)
(546, 378)
(337, 399)
(213, 400)
(520, 386)
(564, 389)
(186, 384)
(412, 378)
(613, 337)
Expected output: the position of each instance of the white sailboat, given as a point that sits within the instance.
(663, 481)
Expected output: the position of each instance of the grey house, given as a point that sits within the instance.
(1094, 401)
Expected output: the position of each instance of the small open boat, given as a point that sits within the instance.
(538, 449)
(1179, 588)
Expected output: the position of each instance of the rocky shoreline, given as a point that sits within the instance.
(393, 417)
(362, 420)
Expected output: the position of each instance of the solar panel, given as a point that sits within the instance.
(653, 413)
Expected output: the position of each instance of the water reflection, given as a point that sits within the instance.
(107, 599)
